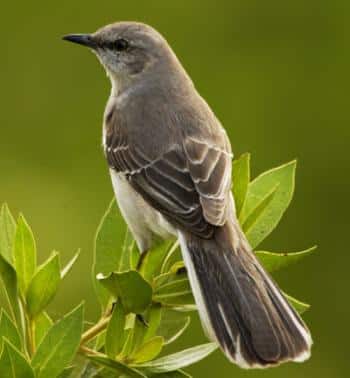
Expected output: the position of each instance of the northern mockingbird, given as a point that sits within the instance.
(170, 164)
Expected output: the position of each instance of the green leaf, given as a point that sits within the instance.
(171, 374)
(117, 366)
(130, 321)
(44, 285)
(127, 347)
(42, 324)
(130, 255)
(175, 292)
(183, 302)
(133, 290)
(104, 373)
(8, 330)
(100, 340)
(179, 360)
(189, 307)
(92, 370)
(7, 233)
(275, 261)
(176, 272)
(136, 338)
(173, 255)
(153, 260)
(24, 254)
(5, 364)
(108, 252)
(9, 279)
(70, 264)
(13, 364)
(149, 350)
(115, 335)
(299, 306)
(59, 345)
(172, 325)
(240, 179)
(67, 372)
(134, 255)
(258, 212)
(153, 319)
(178, 268)
(281, 179)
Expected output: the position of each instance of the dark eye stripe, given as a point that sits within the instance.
(120, 44)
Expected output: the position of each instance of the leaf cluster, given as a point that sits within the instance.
(145, 299)
(31, 344)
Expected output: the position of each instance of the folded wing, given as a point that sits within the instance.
(189, 183)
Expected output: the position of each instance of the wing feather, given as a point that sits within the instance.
(212, 176)
(189, 184)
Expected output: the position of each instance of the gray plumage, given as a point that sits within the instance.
(170, 163)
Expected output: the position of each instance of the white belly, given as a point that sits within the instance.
(143, 221)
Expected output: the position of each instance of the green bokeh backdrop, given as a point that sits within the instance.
(275, 73)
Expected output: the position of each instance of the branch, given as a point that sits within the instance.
(96, 329)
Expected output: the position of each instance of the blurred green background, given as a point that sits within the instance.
(275, 73)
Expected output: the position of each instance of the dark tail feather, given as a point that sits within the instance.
(241, 307)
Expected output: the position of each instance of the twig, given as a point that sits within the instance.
(31, 336)
(95, 330)
(85, 350)
(28, 329)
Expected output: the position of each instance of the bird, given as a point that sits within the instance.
(170, 162)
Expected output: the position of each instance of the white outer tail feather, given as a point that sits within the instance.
(306, 335)
(203, 313)
(197, 292)
(206, 322)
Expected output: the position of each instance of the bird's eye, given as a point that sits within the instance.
(121, 44)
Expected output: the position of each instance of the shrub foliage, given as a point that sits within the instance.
(145, 300)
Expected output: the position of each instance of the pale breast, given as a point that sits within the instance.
(142, 220)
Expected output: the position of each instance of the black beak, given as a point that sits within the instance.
(81, 39)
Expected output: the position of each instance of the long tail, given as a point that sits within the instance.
(239, 304)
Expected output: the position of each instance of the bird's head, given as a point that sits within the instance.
(127, 50)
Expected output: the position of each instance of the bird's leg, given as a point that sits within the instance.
(109, 308)
(143, 254)
(144, 248)
(142, 320)
(114, 303)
